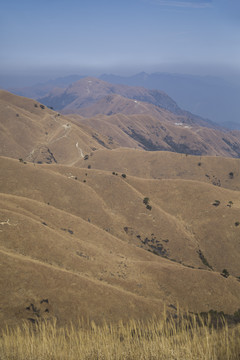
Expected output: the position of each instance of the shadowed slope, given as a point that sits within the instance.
(141, 125)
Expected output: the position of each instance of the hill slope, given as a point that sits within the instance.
(156, 129)
(218, 171)
(86, 244)
(89, 90)
(35, 133)
(211, 97)
(160, 124)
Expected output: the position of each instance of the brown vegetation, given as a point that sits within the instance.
(167, 339)
(109, 235)
(64, 240)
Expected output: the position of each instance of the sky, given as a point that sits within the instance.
(49, 38)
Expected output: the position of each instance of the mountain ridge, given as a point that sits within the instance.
(211, 97)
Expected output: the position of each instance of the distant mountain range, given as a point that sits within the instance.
(80, 96)
(138, 117)
(100, 114)
(41, 89)
(210, 97)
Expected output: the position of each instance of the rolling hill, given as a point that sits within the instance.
(85, 242)
(160, 130)
(211, 97)
(152, 121)
(90, 229)
(31, 131)
(89, 90)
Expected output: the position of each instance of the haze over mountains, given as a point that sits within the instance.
(134, 117)
(93, 225)
(150, 118)
(210, 97)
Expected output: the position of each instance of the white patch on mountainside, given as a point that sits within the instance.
(6, 222)
(181, 124)
(79, 150)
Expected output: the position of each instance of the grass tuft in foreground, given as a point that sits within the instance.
(185, 338)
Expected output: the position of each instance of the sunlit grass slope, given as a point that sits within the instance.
(184, 338)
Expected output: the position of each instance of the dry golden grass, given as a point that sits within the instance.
(50, 250)
(36, 133)
(167, 165)
(187, 338)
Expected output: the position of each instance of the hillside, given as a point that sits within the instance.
(218, 171)
(155, 129)
(88, 246)
(31, 131)
(211, 97)
(89, 90)
(90, 229)
(152, 121)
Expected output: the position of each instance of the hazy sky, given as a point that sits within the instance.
(64, 36)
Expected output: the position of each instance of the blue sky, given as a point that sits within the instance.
(53, 37)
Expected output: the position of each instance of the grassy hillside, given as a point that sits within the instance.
(31, 131)
(182, 338)
(108, 235)
(139, 125)
(218, 171)
(85, 240)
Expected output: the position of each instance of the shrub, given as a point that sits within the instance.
(231, 175)
(225, 273)
(124, 176)
(146, 200)
(89, 166)
(148, 207)
(216, 203)
(203, 259)
(42, 106)
(237, 223)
